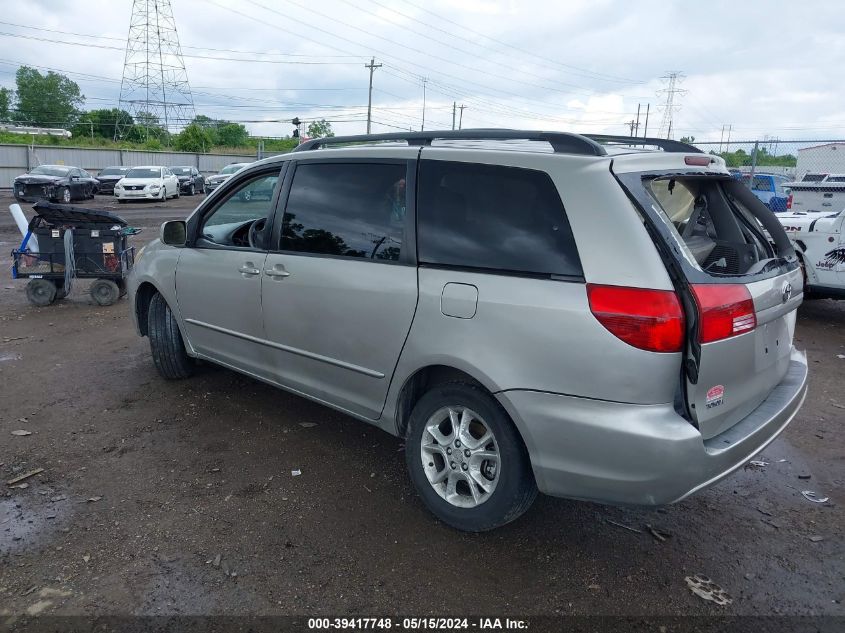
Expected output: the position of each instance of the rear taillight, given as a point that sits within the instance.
(648, 319)
(726, 310)
(789, 202)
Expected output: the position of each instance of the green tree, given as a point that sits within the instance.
(689, 140)
(194, 138)
(209, 125)
(50, 100)
(319, 129)
(147, 127)
(101, 123)
(5, 103)
(232, 135)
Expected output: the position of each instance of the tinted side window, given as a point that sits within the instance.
(347, 209)
(488, 216)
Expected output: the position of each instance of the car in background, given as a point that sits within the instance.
(149, 182)
(58, 183)
(817, 193)
(771, 189)
(227, 172)
(108, 177)
(191, 180)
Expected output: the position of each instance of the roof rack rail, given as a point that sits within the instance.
(561, 142)
(667, 145)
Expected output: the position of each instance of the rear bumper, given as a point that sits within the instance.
(641, 454)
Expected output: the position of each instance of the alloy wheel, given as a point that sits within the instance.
(460, 456)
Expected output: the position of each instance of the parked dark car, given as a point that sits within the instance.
(58, 183)
(108, 178)
(191, 180)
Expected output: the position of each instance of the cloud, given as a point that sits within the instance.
(577, 65)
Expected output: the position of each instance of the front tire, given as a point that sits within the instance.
(166, 344)
(64, 196)
(467, 460)
(192, 190)
(41, 292)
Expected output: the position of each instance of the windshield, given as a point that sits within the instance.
(114, 171)
(144, 172)
(813, 178)
(181, 171)
(231, 169)
(50, 170)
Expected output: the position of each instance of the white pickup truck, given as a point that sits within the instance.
(816, 193)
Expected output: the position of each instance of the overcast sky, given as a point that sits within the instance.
(765, 68)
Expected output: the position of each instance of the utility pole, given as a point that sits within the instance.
(454, 106)
(461, 119)
(424, 82)
(674, 78)
(635, 131)
(728, 147)
(372, 66)
(632, 124)
(647, 108)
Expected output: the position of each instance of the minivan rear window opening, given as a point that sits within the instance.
(717, 232)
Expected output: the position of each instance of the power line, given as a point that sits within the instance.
(515, 69)
(522, 50)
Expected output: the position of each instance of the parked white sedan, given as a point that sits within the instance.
(147, 183)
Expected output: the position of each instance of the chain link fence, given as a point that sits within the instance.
(791, 159)
(771, 166)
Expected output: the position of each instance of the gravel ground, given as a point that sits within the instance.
(177, 497)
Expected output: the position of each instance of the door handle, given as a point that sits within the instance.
(278, 271)
(249, 269)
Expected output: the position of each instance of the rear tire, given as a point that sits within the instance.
(105, 292)
(166, 344)
(41, 292)
(508, 488)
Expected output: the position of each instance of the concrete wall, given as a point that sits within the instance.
(17, 159)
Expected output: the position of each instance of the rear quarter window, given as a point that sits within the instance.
(493, 217)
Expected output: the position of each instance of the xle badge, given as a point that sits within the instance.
(715, 396)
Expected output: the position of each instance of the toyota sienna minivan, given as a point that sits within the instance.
(591, 317)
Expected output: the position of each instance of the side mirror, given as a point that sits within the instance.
(174, 233)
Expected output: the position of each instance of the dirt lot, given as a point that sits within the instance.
(177, 497)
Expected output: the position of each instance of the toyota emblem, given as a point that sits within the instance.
(786, 292)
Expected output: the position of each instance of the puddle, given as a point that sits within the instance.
(9, 356)
(27, 519)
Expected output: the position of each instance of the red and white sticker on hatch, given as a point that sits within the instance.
(715, 396)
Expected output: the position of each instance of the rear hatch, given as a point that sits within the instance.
(739, 290)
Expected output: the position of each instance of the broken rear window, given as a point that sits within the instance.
(718, 233)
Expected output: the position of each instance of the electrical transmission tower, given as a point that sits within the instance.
(155, 88)
(674, 78)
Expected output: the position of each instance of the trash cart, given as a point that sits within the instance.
(64, 243)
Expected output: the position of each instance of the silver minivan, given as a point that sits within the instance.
(588, 316)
